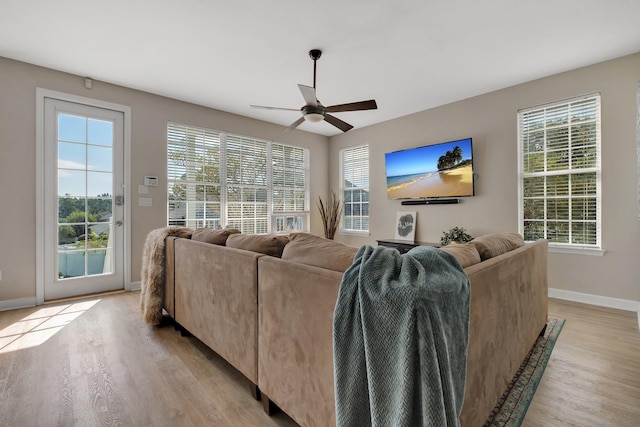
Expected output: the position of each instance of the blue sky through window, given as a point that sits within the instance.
(85, 156)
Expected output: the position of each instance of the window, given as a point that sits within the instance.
(216, 179)
(355, 188)
(559, 147)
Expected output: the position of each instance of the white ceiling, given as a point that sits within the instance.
(408, 55)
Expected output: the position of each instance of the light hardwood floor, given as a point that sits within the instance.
(106, 367)
(93, 362)
(593, 375)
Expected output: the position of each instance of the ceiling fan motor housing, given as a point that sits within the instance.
(314, 113)
(313, 109)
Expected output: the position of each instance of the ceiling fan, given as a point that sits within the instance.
(314, 111)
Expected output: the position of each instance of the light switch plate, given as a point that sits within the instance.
(145, 201)
(143, 189)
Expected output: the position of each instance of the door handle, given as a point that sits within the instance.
(119, 223)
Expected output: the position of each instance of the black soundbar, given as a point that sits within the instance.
(430, 202)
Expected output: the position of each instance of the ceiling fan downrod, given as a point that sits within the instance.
(315, 55)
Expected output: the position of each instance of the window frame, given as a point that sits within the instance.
(570, 171)
(343, 189)
(228, 142)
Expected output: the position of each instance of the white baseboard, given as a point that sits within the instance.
(13, 304)
(620, 304)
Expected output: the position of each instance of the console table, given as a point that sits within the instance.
(404, 246)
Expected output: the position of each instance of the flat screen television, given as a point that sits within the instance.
(431, 172)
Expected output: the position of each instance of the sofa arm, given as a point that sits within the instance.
(295, 343)
(508, 311)
(168, 301)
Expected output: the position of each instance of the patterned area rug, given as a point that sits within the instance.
(513, 405)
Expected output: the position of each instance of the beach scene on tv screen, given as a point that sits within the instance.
(441, 170)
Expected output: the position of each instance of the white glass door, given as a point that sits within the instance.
(84, 199)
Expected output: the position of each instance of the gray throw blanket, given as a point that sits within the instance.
(400, 335)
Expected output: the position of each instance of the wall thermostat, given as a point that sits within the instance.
(151, 181)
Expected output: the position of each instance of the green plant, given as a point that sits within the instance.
(455, 234)
(79, 217)
(66, 234)
(330, 214)
(93, 241)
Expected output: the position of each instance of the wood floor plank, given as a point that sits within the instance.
(101, 365)
(23, 379)
(593, 375)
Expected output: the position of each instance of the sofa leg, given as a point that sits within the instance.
(269, 407)
(543, 330)
(255, 391)
(166, 320)
(183, 331)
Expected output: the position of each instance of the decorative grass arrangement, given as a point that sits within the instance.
(330, 214)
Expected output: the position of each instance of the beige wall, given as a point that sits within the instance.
(490, 120)
(149, 116)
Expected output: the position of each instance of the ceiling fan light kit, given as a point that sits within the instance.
(314, 117)
(313, 111)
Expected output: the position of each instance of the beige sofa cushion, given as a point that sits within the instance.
(466, 254)
(492, 245)
(215, 237)
(269, 244)
(313, 250)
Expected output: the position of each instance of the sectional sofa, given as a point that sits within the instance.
(265, 304)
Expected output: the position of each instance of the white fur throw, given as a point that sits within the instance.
(152, 274)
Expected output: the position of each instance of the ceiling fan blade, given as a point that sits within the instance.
(309, 95)
(343, 126)
(295, 124)
(353, 106)
(274, 108)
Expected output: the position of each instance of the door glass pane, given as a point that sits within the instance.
(72, 128)
(71, 183)
(70, 263)
(99, 183)
(100, 207)
(100, 132)
(99, 158)
(97, 261)
(85, 201)
(67, 206)
(72, 155)
(67, 235)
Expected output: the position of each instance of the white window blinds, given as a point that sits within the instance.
(216, 179)
(193, 177)
(247, 186)
(559, 147)
(355, 188)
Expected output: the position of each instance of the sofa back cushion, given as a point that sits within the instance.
(492, 245)
(269, 244)
(215, 237)
(466, 254)
(310, 249)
